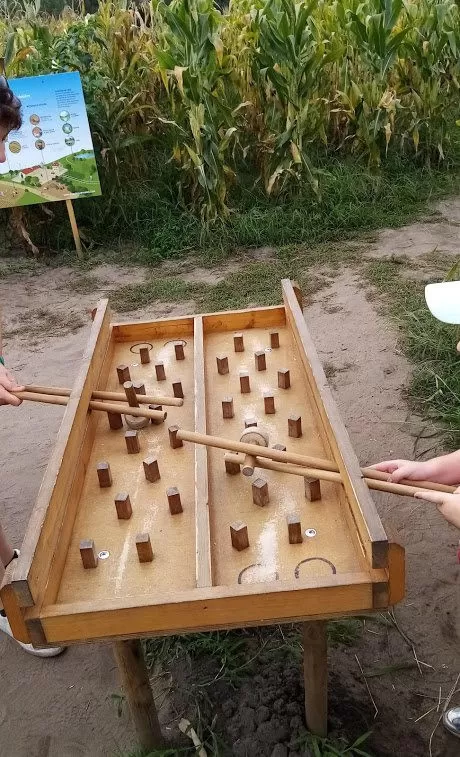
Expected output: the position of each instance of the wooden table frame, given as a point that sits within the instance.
(29, 594)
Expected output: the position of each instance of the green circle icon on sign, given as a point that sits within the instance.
(64, 115)
(67, 129)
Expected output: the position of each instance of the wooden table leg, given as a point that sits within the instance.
(315, 675)
(136, 685)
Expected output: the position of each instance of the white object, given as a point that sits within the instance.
(443, 301)
(50, 652)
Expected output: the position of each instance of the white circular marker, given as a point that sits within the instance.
(310, 532)
(103, 555)
(443, 300)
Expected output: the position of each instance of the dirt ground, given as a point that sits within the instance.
(64, 707)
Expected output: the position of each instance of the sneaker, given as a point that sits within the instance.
(451, 720)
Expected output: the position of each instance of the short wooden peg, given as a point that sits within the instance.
(249, 463)
(280, 447)
(160, 372)
(144, 353)
(269, 403)
(144, 548)
(295, 426)
(222, 364)
(261, 363)
(238, 342)
(130, 392)
(123, 373)
(245, 384)
(179, 350)
(155, 421)
(173, 440)
(239, 535)
(284, 379)
(151, 469)
(312, 489)
(175, 505)
(227, 407)
(260, 492)
(294, 529)
(274, 340)
(177, 389)
(115, 421)
(88, 553)
(132, 442)
(139, 387)
(123, 505)
(232, 468)
(250, 422)
(104, 475)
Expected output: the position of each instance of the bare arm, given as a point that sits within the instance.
(7, 381)
(443, 470)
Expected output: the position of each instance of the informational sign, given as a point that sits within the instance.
(52, 156)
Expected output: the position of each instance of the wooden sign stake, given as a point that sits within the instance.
(75, 232)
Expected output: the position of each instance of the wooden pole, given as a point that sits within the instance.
(75, 232)
(97, 394)
(105, 407)
(135, 680)
(314, 634)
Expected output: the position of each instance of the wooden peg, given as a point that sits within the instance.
(139, 387)
(281, 447)
(175, 505)
(160, 371)
(222, 364)
(239, 535)
(130, 392)
(144, 548)
(248, 422)
(115, 421)
(156, 421)
(295, 426)
(177, 389)
(227, 407)
(312, 489)
(274, 340)
(261, 363)
(294, 529)
(132, 442)
(238, 342)
(260, 492)
(144, 353)
(123, 505)
(123, 373)
(249, 464)
(173, 440)
(179, 350)
(269, 403)
(232, 468)
(88, 553)
(284, 379)
(151, 469)
(104, 475)
(245, 384)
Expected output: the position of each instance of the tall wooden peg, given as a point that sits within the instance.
(123, 374)
(173, 440)
(88, 553)
(156, 421)
(151, 469)
(245, 384)
(177, 389)
(222, 364)
(139, 387)
(260, 492)
(144, 353)
(274, 340)
(238, 342)
(160, 371)
(312, 489)
(239, 535)
(175, 505)
(269, 403)
(294, 529)
(227, 407)
(144, 548)
(115, 421)
(123, 505)
(284, 379)
(232, 468)
(179, 350)
(130, 392)
(104, 475)
(132, 442)
(295, 426)
(261, 363)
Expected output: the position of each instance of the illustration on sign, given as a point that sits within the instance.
(51, 157)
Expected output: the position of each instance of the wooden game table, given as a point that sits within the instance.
(156, 530)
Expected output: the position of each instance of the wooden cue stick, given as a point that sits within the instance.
(143, 399)
(297, 470)
(106, 407)
(304, 460)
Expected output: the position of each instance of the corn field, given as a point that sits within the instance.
(261, 88)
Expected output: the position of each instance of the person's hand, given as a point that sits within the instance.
(448, 504)
(410, 469)
(8, 384)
